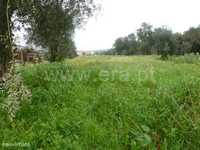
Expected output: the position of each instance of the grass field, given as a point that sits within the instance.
(109, 103)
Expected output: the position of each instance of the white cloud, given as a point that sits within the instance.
(121, 17)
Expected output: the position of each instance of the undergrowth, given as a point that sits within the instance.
(109, 103)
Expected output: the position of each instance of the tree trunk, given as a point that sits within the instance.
(53, 54)
(5, 45)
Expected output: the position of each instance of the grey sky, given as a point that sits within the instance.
(121, 17)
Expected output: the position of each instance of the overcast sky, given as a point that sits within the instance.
(121, 17)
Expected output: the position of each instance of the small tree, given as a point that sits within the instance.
(121, 46)
(56, 23)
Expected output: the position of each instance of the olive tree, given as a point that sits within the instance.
(50, 21)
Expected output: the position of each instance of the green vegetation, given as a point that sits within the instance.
(109, 102)
(50, 24)
(161, 41)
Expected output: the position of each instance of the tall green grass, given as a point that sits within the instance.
(188, 58)
(109, 103)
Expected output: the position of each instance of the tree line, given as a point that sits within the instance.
(161, 41)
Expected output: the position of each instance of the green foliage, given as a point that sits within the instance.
(15, 95)
(84, 104)
(49, 23)
(192, 36)
(161, 41)
(126, 45)
(52, 23)
(165, 52)
(145, 39)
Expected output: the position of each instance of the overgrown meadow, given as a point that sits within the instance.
(108, 103)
